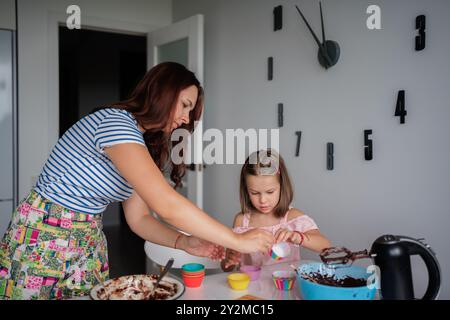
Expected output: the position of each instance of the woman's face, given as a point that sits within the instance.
(185, 104)
(264, 192)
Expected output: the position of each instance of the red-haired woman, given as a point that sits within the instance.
(55, 239)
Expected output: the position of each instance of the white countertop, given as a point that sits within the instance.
(215, 287)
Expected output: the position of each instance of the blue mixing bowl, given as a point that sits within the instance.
(313, 291)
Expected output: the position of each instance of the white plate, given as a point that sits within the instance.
(180, 286)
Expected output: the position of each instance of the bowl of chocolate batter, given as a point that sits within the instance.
(317, 281)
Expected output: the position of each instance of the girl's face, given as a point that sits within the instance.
(264, 192)
(185, 104)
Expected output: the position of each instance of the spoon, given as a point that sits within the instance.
(296, 271)
(99, 279)
(163, 273)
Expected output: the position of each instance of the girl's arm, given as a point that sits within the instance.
(311, 239)
(315, 241)
(136, 165)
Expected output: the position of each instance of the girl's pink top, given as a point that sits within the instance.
(302, 224)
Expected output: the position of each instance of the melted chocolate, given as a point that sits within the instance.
(347, 282)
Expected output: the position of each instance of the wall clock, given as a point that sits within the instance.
(328, 55)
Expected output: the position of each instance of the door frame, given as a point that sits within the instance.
(193, 29)
(57, 19)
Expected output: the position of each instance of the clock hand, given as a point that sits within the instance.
(321, 21)
(321, 47)
(324, 51)
(309, 27)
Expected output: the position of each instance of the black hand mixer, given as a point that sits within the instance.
(392, 254)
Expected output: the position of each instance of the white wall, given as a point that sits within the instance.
(37, 41)
(7, 14)
(405, 189)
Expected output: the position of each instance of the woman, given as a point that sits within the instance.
(55, 241)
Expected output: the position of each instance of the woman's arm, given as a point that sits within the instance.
(136, 165)
(232, 257)
(151, 229)
(145, 225)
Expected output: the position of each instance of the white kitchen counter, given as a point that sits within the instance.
(215, 287)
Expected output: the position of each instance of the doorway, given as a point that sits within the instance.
(97, 68)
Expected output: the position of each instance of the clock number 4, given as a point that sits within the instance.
(420, 39)
(400, 110)
(368, 145)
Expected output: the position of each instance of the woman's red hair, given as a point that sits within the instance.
(153, 103)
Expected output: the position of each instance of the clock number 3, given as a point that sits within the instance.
(368, 145)
(400, 107)
(420, 39)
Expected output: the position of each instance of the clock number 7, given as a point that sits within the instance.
(368, 145)
(299, 139)
(400, 108)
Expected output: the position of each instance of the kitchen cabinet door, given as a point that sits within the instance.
(6, 115)
(6, 209)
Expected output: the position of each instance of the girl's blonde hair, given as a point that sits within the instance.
(266, 162)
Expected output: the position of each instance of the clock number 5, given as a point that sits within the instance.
(368, 145)
(420, 39)
(400, 110)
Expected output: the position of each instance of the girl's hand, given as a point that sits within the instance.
(255, 240)
(284, 235)
(202, 248)
(232, 259)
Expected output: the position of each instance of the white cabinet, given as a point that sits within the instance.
(6, 209)
(7, 128)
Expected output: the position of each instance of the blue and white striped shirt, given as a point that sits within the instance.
(78, 174)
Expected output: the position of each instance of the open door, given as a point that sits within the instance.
(182, 42)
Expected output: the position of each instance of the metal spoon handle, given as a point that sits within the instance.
(165, 270)
(99, 279)
(97, 276)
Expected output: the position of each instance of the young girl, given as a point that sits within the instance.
(265, 195)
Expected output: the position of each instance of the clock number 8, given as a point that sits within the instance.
(330, 156)
(400, 108)
(420, 39)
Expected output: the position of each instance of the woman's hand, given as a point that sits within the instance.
(232, 259)
(255, 240)
(285, 235)
(201, 248)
